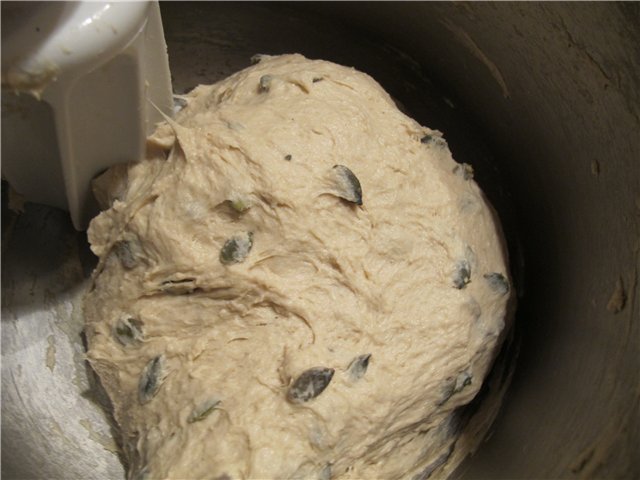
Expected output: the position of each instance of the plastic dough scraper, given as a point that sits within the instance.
(79, 85)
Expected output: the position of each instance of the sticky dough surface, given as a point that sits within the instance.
(416, 277)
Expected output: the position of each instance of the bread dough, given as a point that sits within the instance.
(298, 281)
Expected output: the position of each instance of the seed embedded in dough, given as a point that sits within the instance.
(358, 366)
(236, 249)
(462, 274)
(310, 384)
(455, 385)
(125, 254)
(240, 204)
(464, 170)
(497, 282)
(128, 331)
(257, 58)
(462, 380)
(203, 411)
(178, 103)
(346, 184)
(152, 378)
(265, 83)
(435, 140)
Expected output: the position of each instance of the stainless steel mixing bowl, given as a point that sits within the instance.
(543, 100)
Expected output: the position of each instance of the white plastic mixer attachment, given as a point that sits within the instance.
(78, 79)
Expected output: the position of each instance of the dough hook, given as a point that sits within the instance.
(77, 82)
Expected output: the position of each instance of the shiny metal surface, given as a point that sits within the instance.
(543, 100)
(53, 425)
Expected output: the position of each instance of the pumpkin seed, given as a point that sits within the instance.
(454, 385)
(265, 83)
(347, 185)
(288, 158)
(178, 104)
(310, 384)
(447, 391)
(497, 282)
(257, 58)
(430, 139)
(125, 255)
(462, 274)
(462, 380)
(240, 204)
(151, 380)
(223, 96)
(358, 366)
(236, 126)
(236, 249)
(464, 170)
(128, 331)
(204, 410)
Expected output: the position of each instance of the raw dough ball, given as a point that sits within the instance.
(297, 282)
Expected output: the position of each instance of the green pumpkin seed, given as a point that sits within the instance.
(462, 380)
(128, 331)
(455, 385)
(462, 274)
(178, 104)
(310, 384)
(125, 255)
(435, 140)
(257, 58)
(347, 185)
(151, 380)
(236, 249)
(265, 83)
(240, 204)
(236, 126)
(204, 410)
(447, 391)
(497, 282)
(358, 366)
(464, 170)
